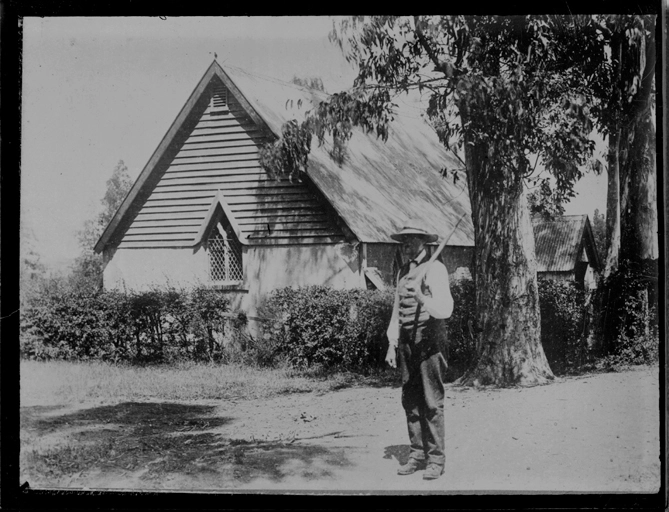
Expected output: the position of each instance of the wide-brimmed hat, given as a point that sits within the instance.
(414, 227)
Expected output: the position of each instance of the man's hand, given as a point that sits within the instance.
(391, 358)
(415, 292)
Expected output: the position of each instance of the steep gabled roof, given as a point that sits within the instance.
(559, 243)
(160, 159)
(212, 148)
(373, 192)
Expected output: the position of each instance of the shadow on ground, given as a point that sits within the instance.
(399, 452)
(154, 440)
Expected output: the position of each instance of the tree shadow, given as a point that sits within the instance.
(276, 461)
(155, 440)
(399, 452)
(144, 418)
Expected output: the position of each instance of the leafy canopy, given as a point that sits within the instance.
(504, 86)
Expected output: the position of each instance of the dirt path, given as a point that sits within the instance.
(595, 433)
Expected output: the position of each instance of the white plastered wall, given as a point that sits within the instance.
(144, 269)
(266, 268)
(269, 268)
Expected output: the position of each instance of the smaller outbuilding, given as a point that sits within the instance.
(565, 250)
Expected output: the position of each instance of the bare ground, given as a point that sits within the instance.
(598, 433)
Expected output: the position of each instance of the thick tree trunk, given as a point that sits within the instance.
(639, 217)
(613, 205)
(507, 299)
(644, 198)
(639, 245)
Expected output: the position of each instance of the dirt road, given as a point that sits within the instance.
(594, 433)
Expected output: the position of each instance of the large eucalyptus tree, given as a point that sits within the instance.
(502, 96)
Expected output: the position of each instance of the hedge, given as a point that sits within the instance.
(629, 323)
(564, 325)
(148, 327)
(329, 328)
(311, 326)
(347, 328)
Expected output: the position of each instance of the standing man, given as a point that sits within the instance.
(417, 338)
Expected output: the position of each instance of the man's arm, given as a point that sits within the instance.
(438, 302)
(393, 332)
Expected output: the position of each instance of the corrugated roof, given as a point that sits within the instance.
(380, 185)
(558, 242)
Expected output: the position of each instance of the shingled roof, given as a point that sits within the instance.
(559, 242)
(377, 188)
(380, 185)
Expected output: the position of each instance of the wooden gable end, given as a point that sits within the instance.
(221, 153)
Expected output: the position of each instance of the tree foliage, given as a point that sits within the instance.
(32, 270)
(619, 73)
(503, 71)
(512, 78)
(87, 270)
(312, 82)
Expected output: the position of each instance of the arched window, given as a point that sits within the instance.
(225, 255)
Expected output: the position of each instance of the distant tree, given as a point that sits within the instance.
(541, 201)
(620, 72)
(32, 270)
(88, 267)
(31, 261)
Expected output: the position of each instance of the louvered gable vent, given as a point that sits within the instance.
(218, 105)
(221, 153)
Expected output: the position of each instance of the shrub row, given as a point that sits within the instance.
(462, 351)
(148, 327)
(312, 326)
(330, 328)
(347, 328)
(564, 325)
(629, 323)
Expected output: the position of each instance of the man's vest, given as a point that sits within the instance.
(415, 321)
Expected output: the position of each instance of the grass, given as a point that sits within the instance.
(62, 382)
(147, 422)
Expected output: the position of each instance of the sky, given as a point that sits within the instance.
(99, 90)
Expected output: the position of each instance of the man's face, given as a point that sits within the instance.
(412, 245)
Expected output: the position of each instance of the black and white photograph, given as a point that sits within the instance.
(342, 254)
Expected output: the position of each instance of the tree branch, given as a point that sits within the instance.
(421, 83)
(442, 67)
(448, 146)
(533, 169)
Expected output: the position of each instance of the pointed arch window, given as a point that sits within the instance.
(225, 255)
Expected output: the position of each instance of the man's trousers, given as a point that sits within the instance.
(423, 369)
